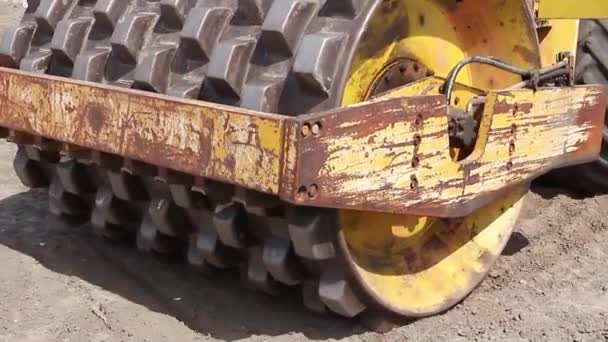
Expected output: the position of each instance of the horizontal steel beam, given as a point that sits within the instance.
(391, 154)
(202, 139)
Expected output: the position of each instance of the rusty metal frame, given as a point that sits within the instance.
(391, 154)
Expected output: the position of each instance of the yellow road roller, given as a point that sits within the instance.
(373, 153)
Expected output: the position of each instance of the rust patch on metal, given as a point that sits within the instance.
(95, 117)
(290, 159)
(503, 106)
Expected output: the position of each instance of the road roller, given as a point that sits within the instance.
(374, 154)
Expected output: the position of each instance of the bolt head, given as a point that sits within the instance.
(305, 131)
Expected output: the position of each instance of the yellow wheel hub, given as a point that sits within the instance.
(441, 33)
(417, 266)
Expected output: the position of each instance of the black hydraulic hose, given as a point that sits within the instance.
(533, 76)
(550, 75)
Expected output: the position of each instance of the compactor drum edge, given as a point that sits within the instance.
(591, 68)
(323, 144)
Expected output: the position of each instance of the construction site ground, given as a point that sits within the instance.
(58, 282)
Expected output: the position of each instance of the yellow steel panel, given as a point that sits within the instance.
(558, 36)
(572, 9)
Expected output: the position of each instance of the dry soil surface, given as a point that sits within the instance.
(60, 283)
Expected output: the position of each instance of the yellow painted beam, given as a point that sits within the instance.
(572, 9)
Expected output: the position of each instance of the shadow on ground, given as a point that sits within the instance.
(549, 188)
(550, 192)
(217, 305)
(516, 243)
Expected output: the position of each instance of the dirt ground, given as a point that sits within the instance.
(60, 283)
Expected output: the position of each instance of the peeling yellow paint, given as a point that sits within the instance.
(523, 134)
(202, 139)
